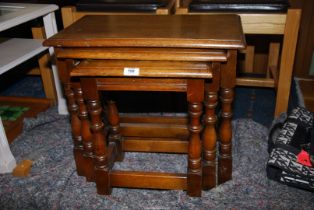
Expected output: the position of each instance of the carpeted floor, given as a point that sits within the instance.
(54, 184)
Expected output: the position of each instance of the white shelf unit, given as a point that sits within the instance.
(16, 51)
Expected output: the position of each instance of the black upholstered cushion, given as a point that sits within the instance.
(239, 6)
(120, 5)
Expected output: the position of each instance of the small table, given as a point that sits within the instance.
(15, 51)
(192, 54)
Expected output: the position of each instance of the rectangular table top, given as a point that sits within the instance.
(188, 31)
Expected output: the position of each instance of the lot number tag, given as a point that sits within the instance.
(131, 71)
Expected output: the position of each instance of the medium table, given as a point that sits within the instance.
(191, 54)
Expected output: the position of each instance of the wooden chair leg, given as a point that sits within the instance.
(102, 157)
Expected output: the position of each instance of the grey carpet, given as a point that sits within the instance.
(54, 184)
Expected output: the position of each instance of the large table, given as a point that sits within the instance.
(191, 54)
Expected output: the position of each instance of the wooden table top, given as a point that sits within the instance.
(189, 31)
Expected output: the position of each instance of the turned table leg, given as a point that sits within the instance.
(228, 76)
(195, 97)
(209, 137)
(86, 134)
(114, 133)
(76, 129)
(101, 158)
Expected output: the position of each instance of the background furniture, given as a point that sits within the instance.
(162, 53)
(70, 14)
(15, 51)
(305, 52)
(266, 19)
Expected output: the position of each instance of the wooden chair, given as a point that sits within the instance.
(70, 14)
(270, 18)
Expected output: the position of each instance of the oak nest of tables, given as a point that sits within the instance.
(195, 55)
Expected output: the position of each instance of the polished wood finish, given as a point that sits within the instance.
(86, 135)
(164, 54)
(78, 148)
(203, 60)
(168, 69)
(225, 132)
(153, 31)
(100, 144)
(209, 136)
(150, 180)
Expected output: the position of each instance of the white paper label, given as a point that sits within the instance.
(128, 71)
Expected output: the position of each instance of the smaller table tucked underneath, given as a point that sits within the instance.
(191, 54)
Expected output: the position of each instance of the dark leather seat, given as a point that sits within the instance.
(120, 5)
(246, 6)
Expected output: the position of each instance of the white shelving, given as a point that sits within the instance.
(15, 51)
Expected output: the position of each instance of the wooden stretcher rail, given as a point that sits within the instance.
(151, 180)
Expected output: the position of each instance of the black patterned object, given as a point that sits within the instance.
(293, 141)
(248, 6)
(120, 5)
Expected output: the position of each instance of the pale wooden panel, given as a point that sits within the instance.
(45, 71)
(273, 57)
(249, 59)
(252, 23)
(67, 15)
(263, 23)
(255, 82)
(287, 60)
